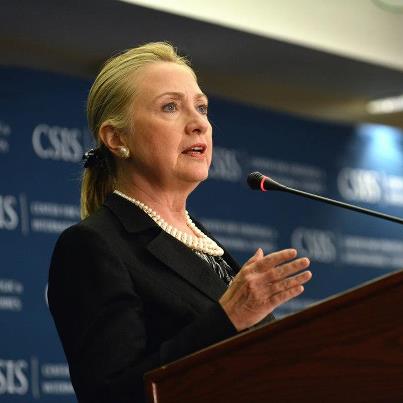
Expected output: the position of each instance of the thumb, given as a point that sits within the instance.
(257, 256)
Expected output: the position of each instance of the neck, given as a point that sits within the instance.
(170, 205)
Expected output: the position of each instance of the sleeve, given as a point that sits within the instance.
(99, 318)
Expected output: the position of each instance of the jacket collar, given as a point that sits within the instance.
(167, 249)
(131, 217)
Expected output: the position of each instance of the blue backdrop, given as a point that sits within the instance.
(43, 135)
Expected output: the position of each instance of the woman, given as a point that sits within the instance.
(137, 283)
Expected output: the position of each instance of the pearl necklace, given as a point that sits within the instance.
(201, 242)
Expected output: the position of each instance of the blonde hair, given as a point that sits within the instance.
(109, 100)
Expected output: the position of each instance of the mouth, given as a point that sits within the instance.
(195, 150)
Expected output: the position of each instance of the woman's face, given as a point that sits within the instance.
(171, 144)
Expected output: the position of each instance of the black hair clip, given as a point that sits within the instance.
(93, 158)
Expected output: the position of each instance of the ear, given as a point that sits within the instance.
(112, 138)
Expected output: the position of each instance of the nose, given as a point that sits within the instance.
(197, 124)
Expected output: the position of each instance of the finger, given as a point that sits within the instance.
(275, 259)
(287, 269)
(290, 282)
(284, 296)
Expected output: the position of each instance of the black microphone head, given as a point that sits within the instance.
(258, 181)
(254, 180)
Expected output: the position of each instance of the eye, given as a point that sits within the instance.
(170, 107)
(203, 109)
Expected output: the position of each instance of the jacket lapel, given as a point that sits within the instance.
(173, 253)
(227, 257)
(187, 264)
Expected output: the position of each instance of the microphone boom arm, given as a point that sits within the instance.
(258, 181)
(344, 205)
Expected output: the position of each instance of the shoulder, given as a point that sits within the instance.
(97, 226)
(87, 250)
(93, 237)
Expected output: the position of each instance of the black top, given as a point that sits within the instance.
(127, 297)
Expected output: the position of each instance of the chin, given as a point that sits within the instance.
(195, 176)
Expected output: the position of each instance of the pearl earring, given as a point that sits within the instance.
(124, 152)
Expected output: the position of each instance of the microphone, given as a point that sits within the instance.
(258, 181)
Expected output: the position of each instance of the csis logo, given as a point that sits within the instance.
(360, 185)
(225, 165)
(316, 244)
(57, 143)
(8, 212)
(5, 131)
(13, 377)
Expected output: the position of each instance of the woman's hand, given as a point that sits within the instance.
(264, 283)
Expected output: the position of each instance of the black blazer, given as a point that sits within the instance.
(127, 297)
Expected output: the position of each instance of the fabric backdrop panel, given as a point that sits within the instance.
(43, 135)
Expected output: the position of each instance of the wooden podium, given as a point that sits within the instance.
(346, 349)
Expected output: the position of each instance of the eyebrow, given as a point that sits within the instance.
(180, 95)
